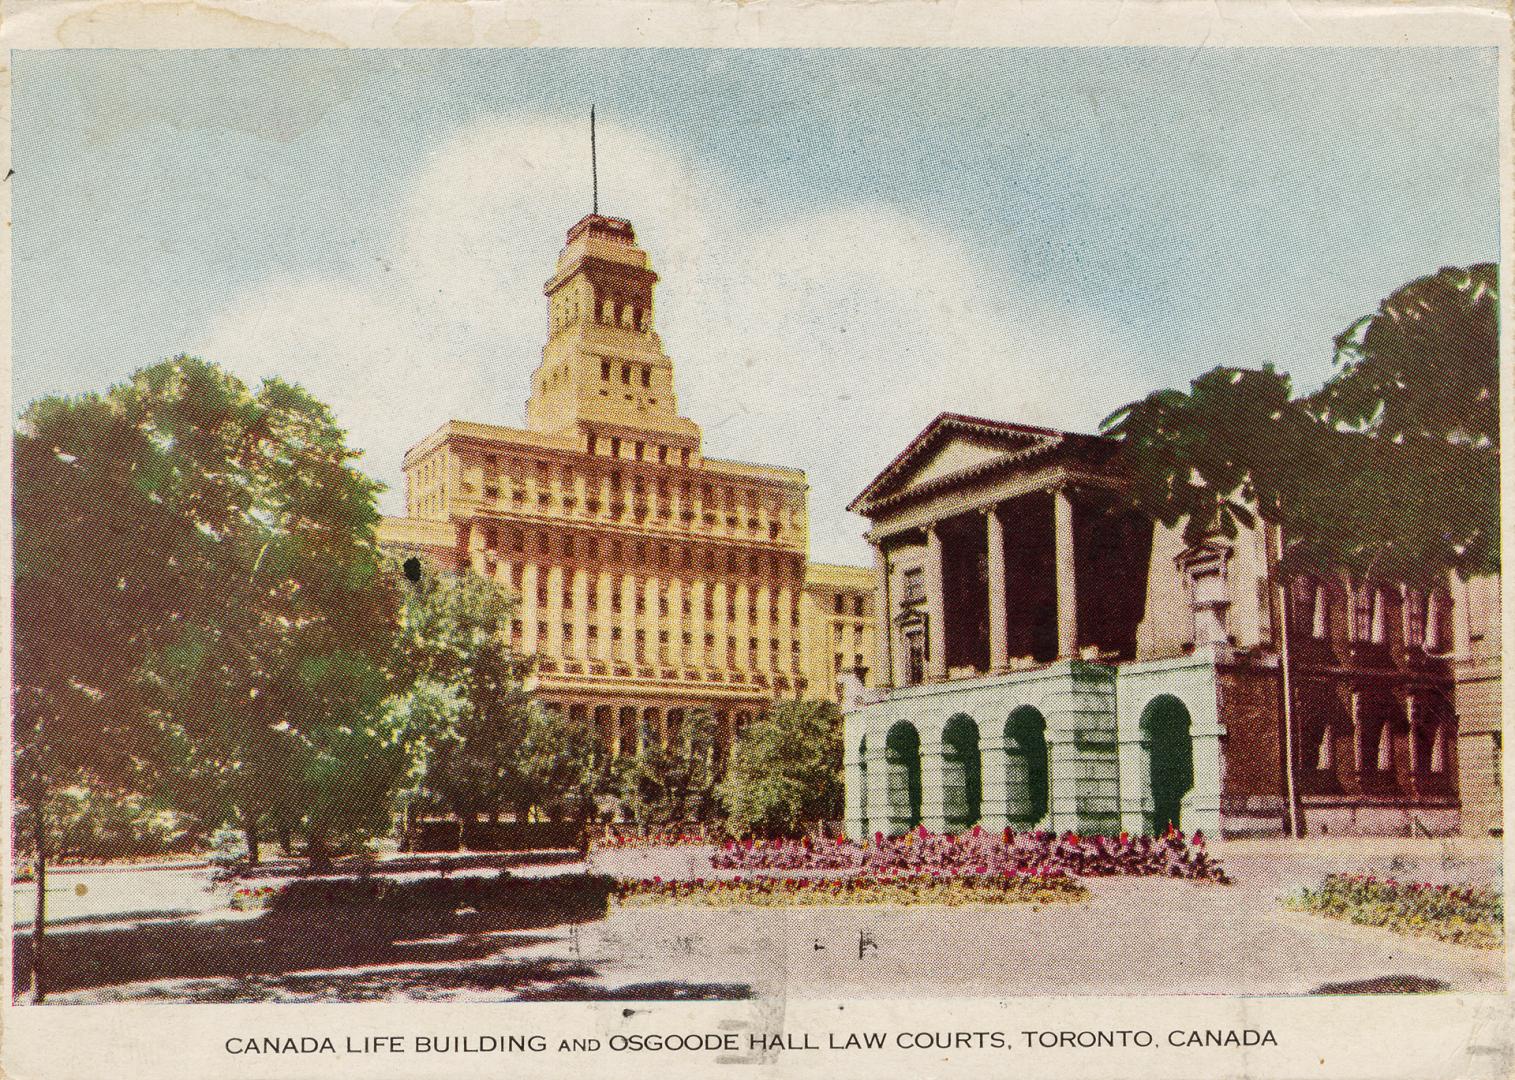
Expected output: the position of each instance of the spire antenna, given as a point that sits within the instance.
(594, 164)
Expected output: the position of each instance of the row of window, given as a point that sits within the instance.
(1371, 610)
(611, 494)
(686, 655)
(638, 590)
(512, 539)
(855, 602)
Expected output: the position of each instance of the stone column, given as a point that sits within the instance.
(718, 659)
(650, 621)
(604, 617)
(628, 619)
(765, 621)
(743, 628)
(993, 776)
(1412, 751)
(1067, 588)
(675, 621)
(580, 615)
(878, 785)
(554, 611)
(999, 610)
(936, 608)
(883, 677)
(529, 610)
(1357, 747)
(697, 625)
(933, 810)
(786, 632)
(476, 547)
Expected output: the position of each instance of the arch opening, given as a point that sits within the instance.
(902, 763)
(1027, 767)
(1170, 758)
(962, 773)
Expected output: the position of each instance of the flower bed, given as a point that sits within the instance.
(617, 842)
(253, 897)
(1463, 914)
(905, 889)
(981, 852)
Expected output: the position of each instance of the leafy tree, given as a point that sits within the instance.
(465, 701)
(677, 782)
(1391, 468)
(275, 679)
(565, 766)
(108, 561)
(786, 769)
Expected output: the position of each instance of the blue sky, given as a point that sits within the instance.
(850, 241)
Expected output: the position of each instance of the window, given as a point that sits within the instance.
(646, 376)
(684, 458)
(915, 655)
(626, 374)
(1209, 596)
(840, 604)
(913, 587)
(1302, 597)
(1413, 615)
(605, 370)
(858, 606)
(1362, 613)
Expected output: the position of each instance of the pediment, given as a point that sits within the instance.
(954, 447)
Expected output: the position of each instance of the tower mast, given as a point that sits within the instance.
(594, 164)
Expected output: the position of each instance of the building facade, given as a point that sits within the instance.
(839, 628)
(1053, 658)
(653, 580)
(1479, 661)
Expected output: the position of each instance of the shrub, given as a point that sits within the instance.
(1463, 914)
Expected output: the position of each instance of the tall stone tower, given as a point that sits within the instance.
(653, 581)
(604, 374)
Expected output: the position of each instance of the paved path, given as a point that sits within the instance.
(1133, 936)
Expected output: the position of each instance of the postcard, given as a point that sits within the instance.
(838, 539)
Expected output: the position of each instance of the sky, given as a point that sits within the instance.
(850, 241)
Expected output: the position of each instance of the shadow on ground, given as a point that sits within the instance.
(353, 940)
(1386, 984)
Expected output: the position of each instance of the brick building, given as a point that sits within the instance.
(1050, 658)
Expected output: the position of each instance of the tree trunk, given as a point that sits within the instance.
(315, 851)
(39, 914)
(250, 830)
(286, 841)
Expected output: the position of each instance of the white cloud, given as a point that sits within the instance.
(824, 342)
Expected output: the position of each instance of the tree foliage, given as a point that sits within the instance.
(201, 607)
(676, 782)
(462, 702)
(786, 769)
(1390, 469)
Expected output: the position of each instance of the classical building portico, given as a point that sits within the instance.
(1052, 658)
